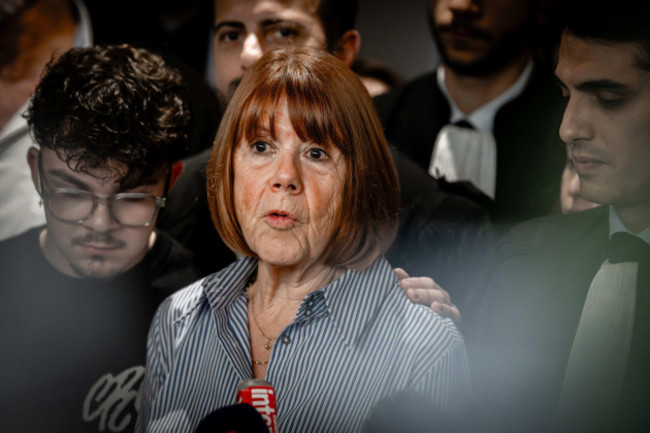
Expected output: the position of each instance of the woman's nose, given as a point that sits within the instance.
(287, 175)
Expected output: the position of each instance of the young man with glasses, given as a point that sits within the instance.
(79, 293)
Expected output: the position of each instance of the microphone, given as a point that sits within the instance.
(259, 394)
(238, 418)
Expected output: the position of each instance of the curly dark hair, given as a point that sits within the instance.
(112, 103)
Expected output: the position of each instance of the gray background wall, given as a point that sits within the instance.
(396, 32)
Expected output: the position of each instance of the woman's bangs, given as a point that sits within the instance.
(314, 118)
(313, 114)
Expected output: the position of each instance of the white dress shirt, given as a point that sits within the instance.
(470, 154)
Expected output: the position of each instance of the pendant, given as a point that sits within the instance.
(268, 345)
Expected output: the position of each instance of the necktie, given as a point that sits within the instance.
(597, 373)
(464, 124)
(462, 153)
(625, 247)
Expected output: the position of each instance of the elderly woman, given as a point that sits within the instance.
(302, 183)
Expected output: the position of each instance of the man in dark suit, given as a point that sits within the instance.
(564, 332)
(493, 81)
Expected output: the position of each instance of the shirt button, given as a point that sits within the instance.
(310, 303)
(286, 339)
(308, 313)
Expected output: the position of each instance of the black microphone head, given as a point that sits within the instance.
(238, 418)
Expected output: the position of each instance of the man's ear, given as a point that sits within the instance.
(32, 159)
(348, 47)
(177, 169)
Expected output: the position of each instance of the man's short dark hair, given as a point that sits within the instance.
(337, 17)
(108, 104)
(621, 21)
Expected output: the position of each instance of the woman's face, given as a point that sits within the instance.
(287, 194)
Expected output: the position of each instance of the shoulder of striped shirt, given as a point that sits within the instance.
(425, 326)
(181, 304)
(431, 329)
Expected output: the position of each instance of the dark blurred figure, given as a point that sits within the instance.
(10, 14)
(486, 114)
(78, 294)
(562, 342)
(375, 76)
(31, 32)
(170, 26)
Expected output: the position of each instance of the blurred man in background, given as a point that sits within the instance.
(31, 32)
(484, 119)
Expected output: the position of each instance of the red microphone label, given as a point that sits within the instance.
(261, 395)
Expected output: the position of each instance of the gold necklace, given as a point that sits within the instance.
(269, 340)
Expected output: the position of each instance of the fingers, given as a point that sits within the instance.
(425, 291)
(424, 283)
(401, 274)
(448, 310)
(428, 296)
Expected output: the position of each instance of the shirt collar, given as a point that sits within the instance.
(83, 36)
(16, 126)
(483, 117)
(351, 300)
(617, 226)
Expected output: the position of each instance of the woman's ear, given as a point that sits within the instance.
(348, 47)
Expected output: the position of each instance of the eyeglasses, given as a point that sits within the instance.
(76, 206)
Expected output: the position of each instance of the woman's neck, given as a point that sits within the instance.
(273, 301)
(281, 284)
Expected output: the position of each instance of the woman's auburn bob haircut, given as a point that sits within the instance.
(327, 104)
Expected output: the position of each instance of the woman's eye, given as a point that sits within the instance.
(317, 154)
(260, 146)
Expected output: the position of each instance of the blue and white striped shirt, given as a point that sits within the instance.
(352, 343)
